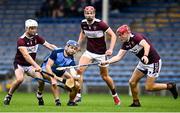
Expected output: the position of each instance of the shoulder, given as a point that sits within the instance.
(40, 40)
(138, 34)
(55, 53)
(58, 50)
(102, 25)
(22, 36)
(21, 40)
(84, 21)
(38, 37)
(98, 20)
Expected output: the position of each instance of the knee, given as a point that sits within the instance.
(132, 83)
(149, 87)
(19, 80)
(105, 77)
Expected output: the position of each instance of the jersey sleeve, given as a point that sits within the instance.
(138, 38)
(40, 40)
(82, 27)
(104, 26)
(20, 42)
(53, 55)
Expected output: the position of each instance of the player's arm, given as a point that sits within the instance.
(146, 47)
(81, 37)
(49, 64)
(49, 46)
(116, 58)
(113, 40)
(28, 58)
(73, 72)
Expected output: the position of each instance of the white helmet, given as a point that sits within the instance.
(30, 23)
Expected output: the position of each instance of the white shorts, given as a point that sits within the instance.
(29, 70)
(151, 70)
(26, 69)
(95, 57)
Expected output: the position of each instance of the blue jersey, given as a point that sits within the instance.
(59, 61)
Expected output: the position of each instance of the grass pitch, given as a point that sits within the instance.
(27, 102)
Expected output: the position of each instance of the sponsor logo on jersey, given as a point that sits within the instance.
(94, 34)
(32, 49)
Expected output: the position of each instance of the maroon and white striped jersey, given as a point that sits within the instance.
(95, 34)
(32, 46)
(133, 46)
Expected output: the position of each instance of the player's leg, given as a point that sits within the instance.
(136, 76)
(153, 73)
(152, 86)
(74, 90)
(39, 94)
(19, 74)
(105, 76)
(73, 94)
(85, 59)
(55, 90)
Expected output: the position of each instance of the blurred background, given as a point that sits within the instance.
(59, 21)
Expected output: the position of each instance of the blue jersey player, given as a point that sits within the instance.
(61, 58)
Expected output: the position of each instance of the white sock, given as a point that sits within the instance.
(115, 95)
(78, 95)
(39, 96)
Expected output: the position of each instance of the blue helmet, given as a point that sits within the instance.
(72, 43)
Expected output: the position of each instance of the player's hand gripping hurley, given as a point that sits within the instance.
(77, 66)
(68, 82)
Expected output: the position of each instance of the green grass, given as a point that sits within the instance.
(26, 102)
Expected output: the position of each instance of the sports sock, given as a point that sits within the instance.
(9, 95)
(39, 95)
(113, 91)
(57, 100)
(115, 95)
(78, 95)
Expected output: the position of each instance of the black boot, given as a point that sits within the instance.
(71, 103)
(40, 99)
(172, 88)
(7, 99)
(58, 103)
(135, 103)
